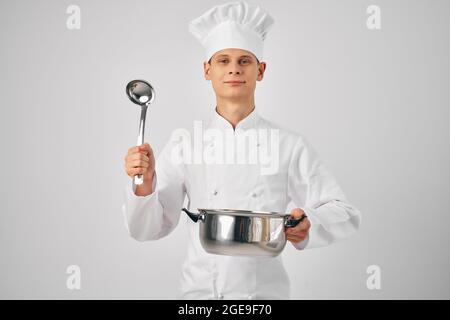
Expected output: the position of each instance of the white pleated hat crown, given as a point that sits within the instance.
(232, 25)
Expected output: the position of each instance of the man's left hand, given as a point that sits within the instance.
(300, 231)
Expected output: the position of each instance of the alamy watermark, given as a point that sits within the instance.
(374, 19)
(73, 21)
(73, 281)
(374, 280)
(215, 146)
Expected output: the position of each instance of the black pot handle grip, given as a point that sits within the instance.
(290, 223)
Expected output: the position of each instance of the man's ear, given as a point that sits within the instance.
(261, 69)
(206, 67)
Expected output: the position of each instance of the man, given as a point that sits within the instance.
(232, 35)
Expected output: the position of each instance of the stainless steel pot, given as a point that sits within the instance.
(243, 232)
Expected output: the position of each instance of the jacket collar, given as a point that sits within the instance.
(219, 122)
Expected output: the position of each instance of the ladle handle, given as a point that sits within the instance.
(139, 179)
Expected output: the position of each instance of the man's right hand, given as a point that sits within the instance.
(140, 160)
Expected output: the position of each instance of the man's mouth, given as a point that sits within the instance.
(235, 82)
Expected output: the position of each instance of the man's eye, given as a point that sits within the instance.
(223, 60)
(245, 61)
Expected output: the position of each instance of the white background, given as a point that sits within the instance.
(374, 104)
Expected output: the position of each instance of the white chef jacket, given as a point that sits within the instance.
(301, 178)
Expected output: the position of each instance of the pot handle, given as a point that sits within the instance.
(290, 223)
(194, 216)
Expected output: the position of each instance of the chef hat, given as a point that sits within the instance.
(232, 25)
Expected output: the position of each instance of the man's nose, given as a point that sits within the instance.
(235, 68)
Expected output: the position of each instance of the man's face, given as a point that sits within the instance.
(233, 73)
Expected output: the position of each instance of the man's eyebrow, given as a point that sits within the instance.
(226, 55)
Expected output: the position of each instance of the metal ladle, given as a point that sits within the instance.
(141, 93)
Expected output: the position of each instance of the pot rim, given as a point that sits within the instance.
(245, 213)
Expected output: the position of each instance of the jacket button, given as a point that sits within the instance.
(254, 195)
(215, 192)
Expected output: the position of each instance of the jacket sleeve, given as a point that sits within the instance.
(312, 188)
(154, 216)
